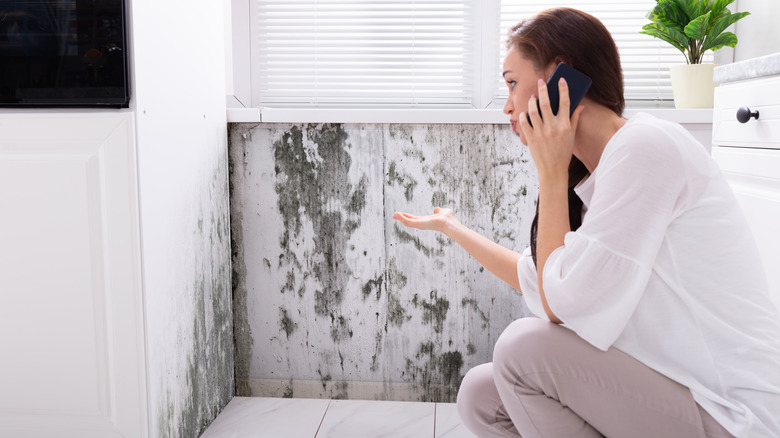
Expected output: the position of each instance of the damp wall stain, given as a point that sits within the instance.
(308, 178)
(329, 289)
(434, 310)
(438, 373)
(240, 142)
(197, 348)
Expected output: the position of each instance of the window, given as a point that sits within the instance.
(645, 59)
(363, 52)
(420, 53)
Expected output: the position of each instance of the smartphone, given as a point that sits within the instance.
(578, 82)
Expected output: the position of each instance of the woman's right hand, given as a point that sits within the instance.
(497, 259)
(438, 221)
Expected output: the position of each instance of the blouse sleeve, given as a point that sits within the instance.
(529, 284)
(594, 282)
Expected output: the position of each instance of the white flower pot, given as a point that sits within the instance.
(692, 85)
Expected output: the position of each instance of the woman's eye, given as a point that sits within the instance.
(511, 84)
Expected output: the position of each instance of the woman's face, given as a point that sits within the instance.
(522, 80)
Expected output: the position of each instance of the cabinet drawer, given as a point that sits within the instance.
(754, 176)
(759, 95)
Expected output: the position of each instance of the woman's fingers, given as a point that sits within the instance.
(404, 218)
(430, 222)
(413, 221)
(544, 101)
(563, 102)
(533, 113)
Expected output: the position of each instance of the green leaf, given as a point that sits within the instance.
(719, 6)
(670, 14)
(719, 25)
(697, 28)
(668, 34)
(700, 7)
(688, 8)
(724, 39)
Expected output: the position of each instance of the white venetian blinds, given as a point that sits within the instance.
(363, 53)
(421, 53)
(645, 59)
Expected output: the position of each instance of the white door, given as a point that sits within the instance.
(71, 332)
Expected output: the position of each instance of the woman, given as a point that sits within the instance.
(654, 312)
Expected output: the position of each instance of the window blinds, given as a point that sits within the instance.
(422, 53)
(364, 53)
(645, 59)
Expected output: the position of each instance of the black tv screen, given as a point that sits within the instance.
(63, 53)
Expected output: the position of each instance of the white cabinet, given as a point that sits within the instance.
(749, 155)
(762, 95)
(71, 324)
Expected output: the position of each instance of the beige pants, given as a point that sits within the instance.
(545, 381)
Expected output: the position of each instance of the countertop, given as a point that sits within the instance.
(768, 65)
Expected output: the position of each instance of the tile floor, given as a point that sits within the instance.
(260, 417)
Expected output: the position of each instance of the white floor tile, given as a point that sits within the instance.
(448, 423)
(377, 419)
(259, 417)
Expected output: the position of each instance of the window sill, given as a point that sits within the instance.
(426, 116)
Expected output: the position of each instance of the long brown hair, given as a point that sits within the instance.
(580, 40)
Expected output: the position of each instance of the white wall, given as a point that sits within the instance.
(758, 34)
(178, 86)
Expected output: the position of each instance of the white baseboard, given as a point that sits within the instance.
(329, 389)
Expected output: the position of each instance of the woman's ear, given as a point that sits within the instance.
(548, 71)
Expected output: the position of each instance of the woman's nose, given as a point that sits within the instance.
(508, 107)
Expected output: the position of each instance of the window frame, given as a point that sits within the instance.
(483, 109)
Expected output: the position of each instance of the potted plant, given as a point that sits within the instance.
(693, 27)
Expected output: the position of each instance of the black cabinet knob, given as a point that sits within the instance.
(744, 114)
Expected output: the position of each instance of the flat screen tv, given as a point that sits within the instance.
(63, 53)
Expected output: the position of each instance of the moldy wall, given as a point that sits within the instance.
(178, 83)
(335, 299)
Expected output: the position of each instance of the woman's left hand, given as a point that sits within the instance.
(551, 138)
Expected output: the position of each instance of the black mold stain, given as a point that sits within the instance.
(339, 329)
(401, 131)
(467, 171)
(434, 311)
(342, 391)
(312, 176)
(209, 370)
(404, 180)
(414, 153)
(374, 284)
(395, 278)
(450, 364)
(288, 390)
(358, 201)
(322, 192)
(470, 302)
(396, 314)
(437, 374)
(470, 349)
(443, 243)
(324, 379)
(439, 199)
(286, 323)
(405, 236)
(242, 331)
(290, 284)
(377, 351)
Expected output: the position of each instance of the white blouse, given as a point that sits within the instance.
(665, 269)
